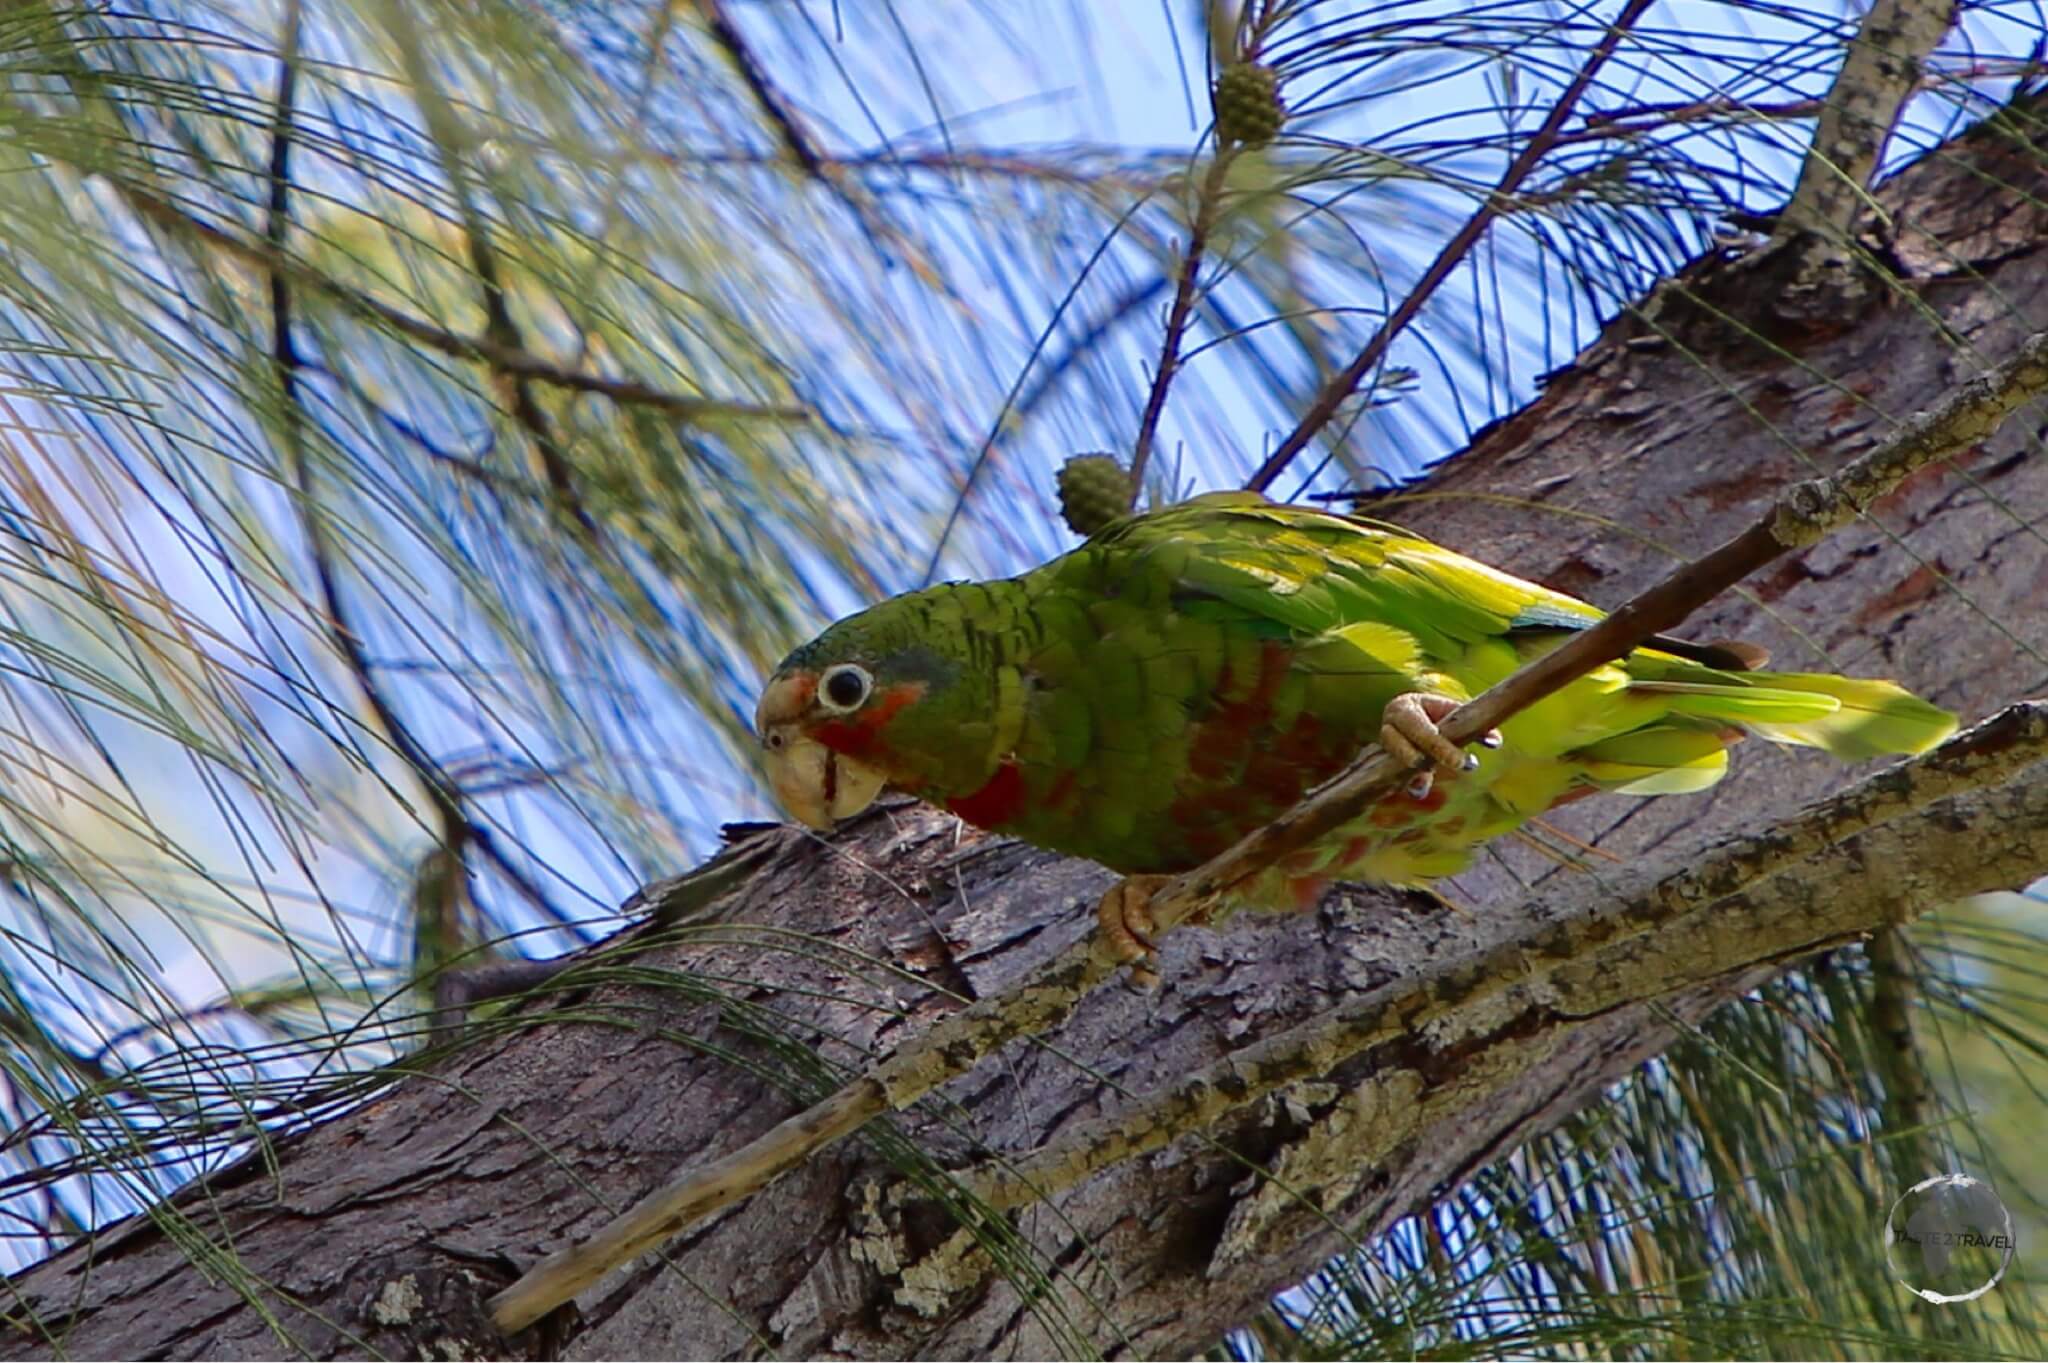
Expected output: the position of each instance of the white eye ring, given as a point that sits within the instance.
(844, 688)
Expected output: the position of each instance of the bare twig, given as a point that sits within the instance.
(451, 140)
(285, 357)
(1345, 383)
(1880, 72)
(1252, 24)
(507, 359)
(1635, 119)
(457, 831)
(1895, 988)
(1207, 203)
(1799, 517)
(795, 140)
(687, 900)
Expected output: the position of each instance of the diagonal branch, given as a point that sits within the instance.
(1880, 72)
(511, 360)
(1207, 205)
(795, 140)
(451, 140)
(286, 360)
(1799, 517)
(457, 830)
(1345, 383)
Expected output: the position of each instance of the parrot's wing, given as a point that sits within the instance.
(1309, 573)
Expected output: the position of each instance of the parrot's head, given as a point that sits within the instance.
(879, 699)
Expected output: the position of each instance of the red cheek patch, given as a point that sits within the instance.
(860, 734)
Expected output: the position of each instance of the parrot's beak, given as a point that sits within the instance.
(814, 784)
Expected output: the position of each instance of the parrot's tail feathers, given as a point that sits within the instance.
(1664, 759)
(1849, 717)
(1872, 718)
(1745, 703)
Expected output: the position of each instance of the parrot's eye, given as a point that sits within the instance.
(845, 687)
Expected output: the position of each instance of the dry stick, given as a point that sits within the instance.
(1801, 515)
(513, 361)
(1346, 383)
(781, 117)
(457, 828)
(342, 634)
(1177, 316)
(1880, 72)
(1635, 119)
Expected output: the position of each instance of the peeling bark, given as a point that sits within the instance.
(386, 1228)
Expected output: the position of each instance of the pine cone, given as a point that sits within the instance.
(1247, 104)
(1094, 490)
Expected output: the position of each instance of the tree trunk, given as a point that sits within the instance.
(386, 1227)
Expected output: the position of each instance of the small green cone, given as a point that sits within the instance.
(1247, 104)
(1094, 490)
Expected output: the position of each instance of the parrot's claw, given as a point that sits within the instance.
(1124, 923)
(1409, 734)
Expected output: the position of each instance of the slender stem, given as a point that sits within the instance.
(754, 75)
(1999, 750)
(457, 831)
(509, 360)
(1895, 990)
(1203, 222)
(1344, 384)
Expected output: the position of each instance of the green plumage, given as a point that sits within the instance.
(1186, 675)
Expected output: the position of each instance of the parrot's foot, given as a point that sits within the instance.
(1409, 734)
(1124, 924)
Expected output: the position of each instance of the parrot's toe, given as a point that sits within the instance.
(1409, 734)
(1126, 928)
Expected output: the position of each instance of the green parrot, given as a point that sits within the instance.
(1188, 674)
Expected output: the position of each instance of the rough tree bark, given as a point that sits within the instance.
(384, 1229)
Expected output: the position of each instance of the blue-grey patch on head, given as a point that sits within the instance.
(800, 658)
(920, 663)
(907, 662)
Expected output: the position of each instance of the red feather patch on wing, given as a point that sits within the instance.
(1242, 771)
(997, 802)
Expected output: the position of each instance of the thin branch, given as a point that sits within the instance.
(285, 358)
(1634, 120)
(1880, 72)
(1799, 517)
(1895, 989)
(1207, 203)
(1344, 384)
(781, 117)
(457, 829)
(687, 900)
(510, 360)
(450, 141)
